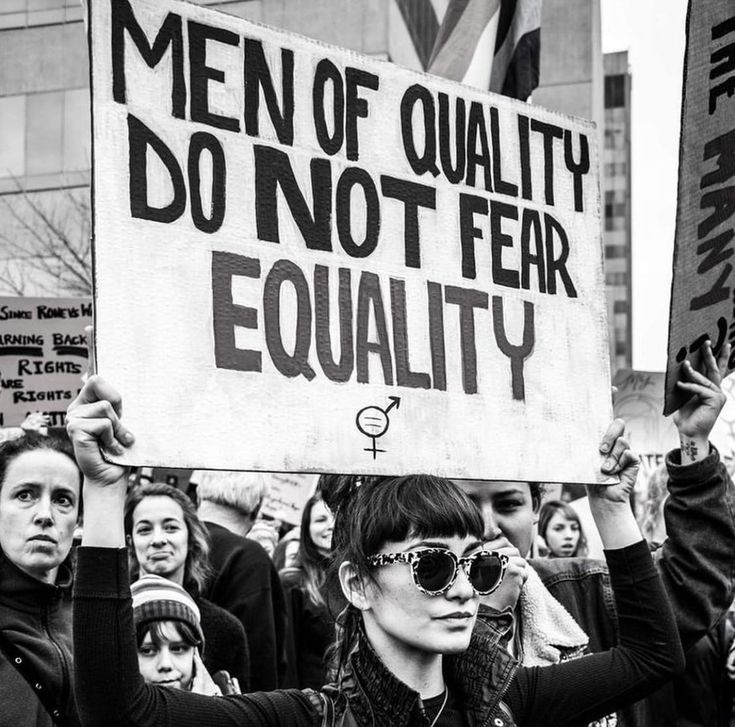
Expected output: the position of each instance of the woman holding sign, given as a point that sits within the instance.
(409, 654)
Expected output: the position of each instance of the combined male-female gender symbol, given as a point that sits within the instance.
(373, 422)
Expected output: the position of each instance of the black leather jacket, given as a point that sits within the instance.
(369, 695)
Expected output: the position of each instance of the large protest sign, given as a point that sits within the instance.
(43, 356)
(309, 260)
(703, 287)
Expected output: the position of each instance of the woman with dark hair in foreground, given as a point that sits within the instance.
(409, 655)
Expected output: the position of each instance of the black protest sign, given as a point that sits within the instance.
(703, 287)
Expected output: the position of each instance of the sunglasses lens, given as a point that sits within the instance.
(434, 571)
(485, 572)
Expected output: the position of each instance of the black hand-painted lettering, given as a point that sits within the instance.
(404, 375)
(200, 74)
(342, 370)
(296, 363)
(140, 139)
(273, 171)
(413, 195)
(516, 354)
(226, 315)
(258, 78)
(426, 161)
(350, 178)
(327, 72)
(169, 35)
(467, 300)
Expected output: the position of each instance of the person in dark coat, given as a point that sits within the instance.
(166, 538)
(244, 580)
(40, 488)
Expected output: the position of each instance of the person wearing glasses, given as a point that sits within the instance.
(409, 651)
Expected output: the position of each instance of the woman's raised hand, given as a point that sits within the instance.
(697, 417)
(617, 459)
(93, 423)
(610, 504)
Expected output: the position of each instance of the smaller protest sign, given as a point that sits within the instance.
(288, 496)
(639, 403)
(43, 355)
(702, 304)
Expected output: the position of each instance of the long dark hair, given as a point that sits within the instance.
(549, 509)
(310, 559)
(372, 511)
(196, 566)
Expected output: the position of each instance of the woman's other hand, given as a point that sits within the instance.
(516, 573)
(697, 417)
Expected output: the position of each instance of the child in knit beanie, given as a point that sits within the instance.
(168, 631)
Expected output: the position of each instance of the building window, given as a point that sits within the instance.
(620, 306)
(12, 146)
(615, 251)
(76, 132)
(616, 278)
(44, 133)
(614, 91)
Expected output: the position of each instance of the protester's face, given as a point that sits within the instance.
(292, 552)
(170, 663)
(403, 622)
(321, 525)
(562, 535)
(506, 508)
(160, 537)
(39, 506)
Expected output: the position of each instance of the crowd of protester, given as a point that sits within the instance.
(400, 601)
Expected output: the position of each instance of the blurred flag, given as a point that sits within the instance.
(491, 44)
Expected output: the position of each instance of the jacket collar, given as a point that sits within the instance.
(549, 634)
(376, 697)
(23, 591)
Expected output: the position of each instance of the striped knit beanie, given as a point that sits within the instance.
(159, 599)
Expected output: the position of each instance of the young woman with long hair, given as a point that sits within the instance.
(411, 653)
(561, 529)
(310, 620)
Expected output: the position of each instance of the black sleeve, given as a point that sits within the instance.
(696, 559)
(249, 588)
(587, 688)
(294, 602)
(108, 687)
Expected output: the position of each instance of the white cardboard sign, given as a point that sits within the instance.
(43, 355)
(310, 260)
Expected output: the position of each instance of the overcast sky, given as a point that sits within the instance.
(653, 33)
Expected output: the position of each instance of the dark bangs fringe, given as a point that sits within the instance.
(158, 637)
(419, 506)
